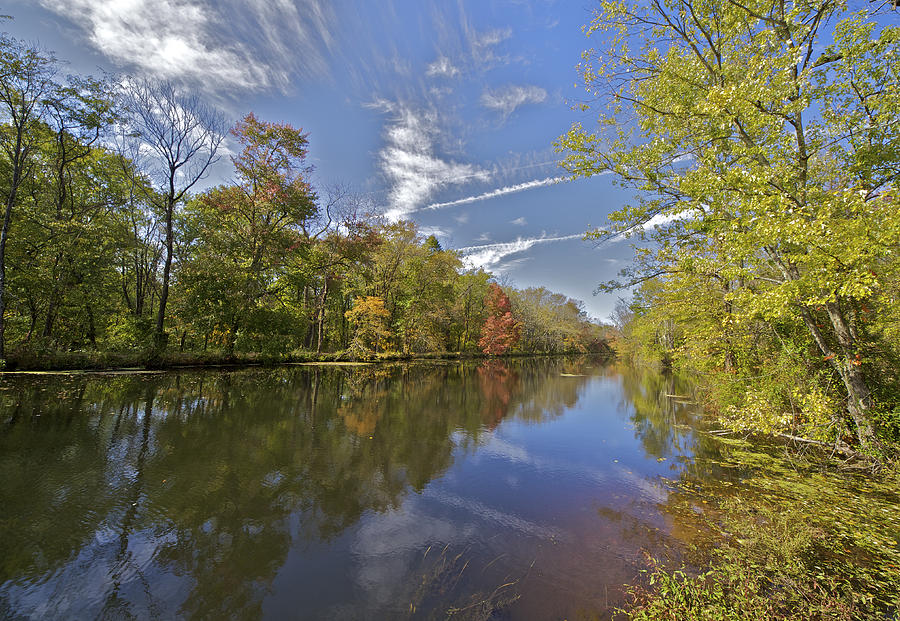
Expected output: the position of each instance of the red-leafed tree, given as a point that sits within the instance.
(500, 330)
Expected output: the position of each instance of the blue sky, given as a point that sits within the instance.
(440, 111)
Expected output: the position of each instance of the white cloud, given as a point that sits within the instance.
(413, 169)
(482, 44)
(507, 98)
(510, 189)
(437, 231)
(655, 221)
(519, 221)
(231, 44)
(442, 67)
(491, 38)
(491, 255)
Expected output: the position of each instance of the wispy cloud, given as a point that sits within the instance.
(507, 98)
(491, 38)
(233, 44)
(482, 45)
(489, 256)
(510, 189)
(519, 221)
(409, 161)
(437, 231)
(442, 67)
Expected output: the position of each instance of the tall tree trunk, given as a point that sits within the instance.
(92, 329)
(125, 295)
(4, 235)
(321, 322)
(50, 317)
(859, 397)
(160, 339)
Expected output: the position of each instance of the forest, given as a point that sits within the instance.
(112, 248)
(746, 451)
(764, 145)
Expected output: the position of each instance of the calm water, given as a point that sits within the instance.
(524, 490)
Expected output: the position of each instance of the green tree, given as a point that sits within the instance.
(65, 258)
(184, 135)
(27, 84)
(768, 161)
(415, 279)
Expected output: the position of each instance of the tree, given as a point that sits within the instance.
(469, 311)
(770, 162)
(184, 135)
(500, 330)
(27, 84)
(243, 234)
(369, 319)
(79, 116)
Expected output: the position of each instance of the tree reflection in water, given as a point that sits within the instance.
(183, 493)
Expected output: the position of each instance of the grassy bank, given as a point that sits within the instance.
(48, 360)
(777, 535)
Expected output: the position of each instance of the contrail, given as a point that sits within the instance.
(488, 255)
(510, 189)
(528, 243)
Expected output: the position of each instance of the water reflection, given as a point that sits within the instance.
(329, 492)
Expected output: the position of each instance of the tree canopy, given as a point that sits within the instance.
(763, 138)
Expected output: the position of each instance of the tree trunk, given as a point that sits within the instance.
(859, 399)
(4, 234)
(125, 295)
(160, 339)
(49, 319)
(92, 329)
(322, 316)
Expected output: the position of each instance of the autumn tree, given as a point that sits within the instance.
(766, 148)
(369, 320)
(242, 234)
(338, 246)
(500, 330)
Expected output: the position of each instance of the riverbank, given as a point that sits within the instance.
(777, 534)
(130, 361)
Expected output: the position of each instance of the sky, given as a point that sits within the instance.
(439, 111)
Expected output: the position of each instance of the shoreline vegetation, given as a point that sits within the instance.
(763, 146)
(762, 142)
(95, 361)
(778, 532)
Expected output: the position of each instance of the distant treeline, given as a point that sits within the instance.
(110, 243)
